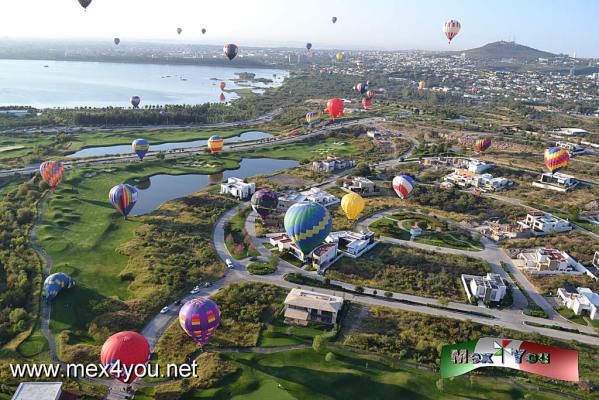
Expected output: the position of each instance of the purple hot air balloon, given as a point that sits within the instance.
(264, 202)
(199, 318)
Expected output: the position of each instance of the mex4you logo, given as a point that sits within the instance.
(540, 359)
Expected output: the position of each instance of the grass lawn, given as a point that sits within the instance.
(341, 147)
(451, 240)
(261, 268)
(305, 374)
(278, 334)
(388, 227)
(35, 346)
(569, 314)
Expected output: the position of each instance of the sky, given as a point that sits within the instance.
(559, 26)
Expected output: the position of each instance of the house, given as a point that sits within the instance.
(321, 197)
(288, 199)
(38, 391)
(466, 178)
(557, 181)
(477, 166)
(352, 244)
(324, 256)
(415, 231)
(284, 243)
(541, 223)
(303, 306)
(331, 164)
(361, 185)
(549, 262)
(236, 187)
(596, 260)
(503, 231)
(488, 288)
(573, 148)
(580, 300)
(572, 132)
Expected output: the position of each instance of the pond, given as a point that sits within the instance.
(161, 188)
(126, 148)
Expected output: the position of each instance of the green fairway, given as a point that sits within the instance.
(330, 146)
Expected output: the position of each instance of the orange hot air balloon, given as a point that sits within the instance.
(215, 144)
(52, 172)
(335, 108)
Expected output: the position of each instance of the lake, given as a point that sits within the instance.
(161, 188)
(126, 148)
(98, 84)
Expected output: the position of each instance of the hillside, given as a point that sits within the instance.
(506, 50)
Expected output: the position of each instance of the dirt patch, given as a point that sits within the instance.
(291, 181)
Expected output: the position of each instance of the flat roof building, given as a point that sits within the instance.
(303, 306)
(38, 391)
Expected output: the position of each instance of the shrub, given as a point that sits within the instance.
(330, 357)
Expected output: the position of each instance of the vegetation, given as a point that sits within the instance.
(237, 240)
(264, 268)
(578, 245)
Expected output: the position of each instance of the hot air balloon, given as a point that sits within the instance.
(199, 318)
(52, 173)
(339, 56)
(370, 94)
(359, 63)
(308, 46)
(55, 283)
(556, 159)
(222, 97)
(222, 85)
(123, 197)
(361, 88)
(482, 144)
(140, 147)
(421, 85)
(203, 31)
(403, 185)
(313, 117)
(135, 101)
(367, 103)
(352, 205)
(125, 350)
(264, 202)
(334, 19)
(117, 41)
(215, 144)
(179, 30)
(230, 50)
(335, 108)
(368, 83)
(85, 3)
(451, 29)
(307, 224)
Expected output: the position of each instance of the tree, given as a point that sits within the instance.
(330, 357)
(359, 289)
(440, 385)
(317, 343)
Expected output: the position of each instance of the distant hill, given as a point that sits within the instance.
(506, 50)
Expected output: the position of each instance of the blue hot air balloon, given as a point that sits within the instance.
(307, 224)
(123, 198)
(55, 283)
(140, 147)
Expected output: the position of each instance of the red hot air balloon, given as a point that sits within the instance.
(451, 28)
(125, 350)
(335, 108)
(222, 85)
(52, 172)
(366, 103)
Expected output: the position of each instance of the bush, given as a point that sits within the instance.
(261, 268)
(330, 357)
(359, 289)
(388, 295)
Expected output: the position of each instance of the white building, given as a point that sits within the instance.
(466, 178)
(580, 300)
(38, 391)
(320, 196)
(541, 223)
(352, 244)
(236, 187)
(550, 261)
(302, 307)
(324, 256)
(573, 148)
(284, 243)
(288, 199)
(359, 184)
(331, 164)
(477, 166)
(488, 288)
(572, 132)
(557, 181)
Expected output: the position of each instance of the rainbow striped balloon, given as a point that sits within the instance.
(123, 198)
(313, 117)
(199, 318)
(403, 185)
(307, 224)
(482, 144)
(556, 159)
(215, 144)
(52, 172)
(140, 147)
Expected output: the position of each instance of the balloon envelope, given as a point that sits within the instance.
(203, 31)
(352, 205)
(367, 103)
(52, 173)
(339, 56)
(335, 108)
(55, 283)
(334, 19)
(135, 101)
(556, 159)
(127, 348)
(265, 202)
(199, 318)
(179, 30)
(307, 224)
(85, 3)
(230, 50)
(123, 197)
(451, 29)
(370, 94)
(140, 147)
(308, 45)
(482, 144)
(313, 117)
(215, 144)
(222, 85)
(403, 185)
(117, 41)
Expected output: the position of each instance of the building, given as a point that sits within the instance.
(284, 243)
(320, 196)
(596, 260)
(15, 113)
(415, 231)
(541, 223)
(573, 148)
(549, 262)
(504, 231)
(557, 181)
(572, 132)
(361, 185)
(324, 256)
(352, 244)
(488, 288)
(331, 164)
(38, 391)
(302, 307)
(580, 300)
(465, 178)
(288, 199)
(477, 166)
(236, 187)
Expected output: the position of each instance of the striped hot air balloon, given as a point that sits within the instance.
(264, 202)
(199, 318)
(140, 147)
(128, 349)
(307, 224)
(313, 117)
(215, 144)
(451, 29)
(123, 198)
(403, 185)
(135, 101)
(55, 283)
(556, 159)
(367, 103)
(482, 144)
(352, 205)
(52, 173)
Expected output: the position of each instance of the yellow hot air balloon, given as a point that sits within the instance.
(352, 205)
(340, 56)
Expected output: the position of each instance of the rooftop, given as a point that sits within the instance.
(38, 391)
(314, 300)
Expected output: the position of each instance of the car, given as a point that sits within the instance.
(178, 302)
(164, 310)
(207, 284)
(253, 258)
(229, 263)
(195, 290)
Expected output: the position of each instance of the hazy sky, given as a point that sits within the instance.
(555, 25)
